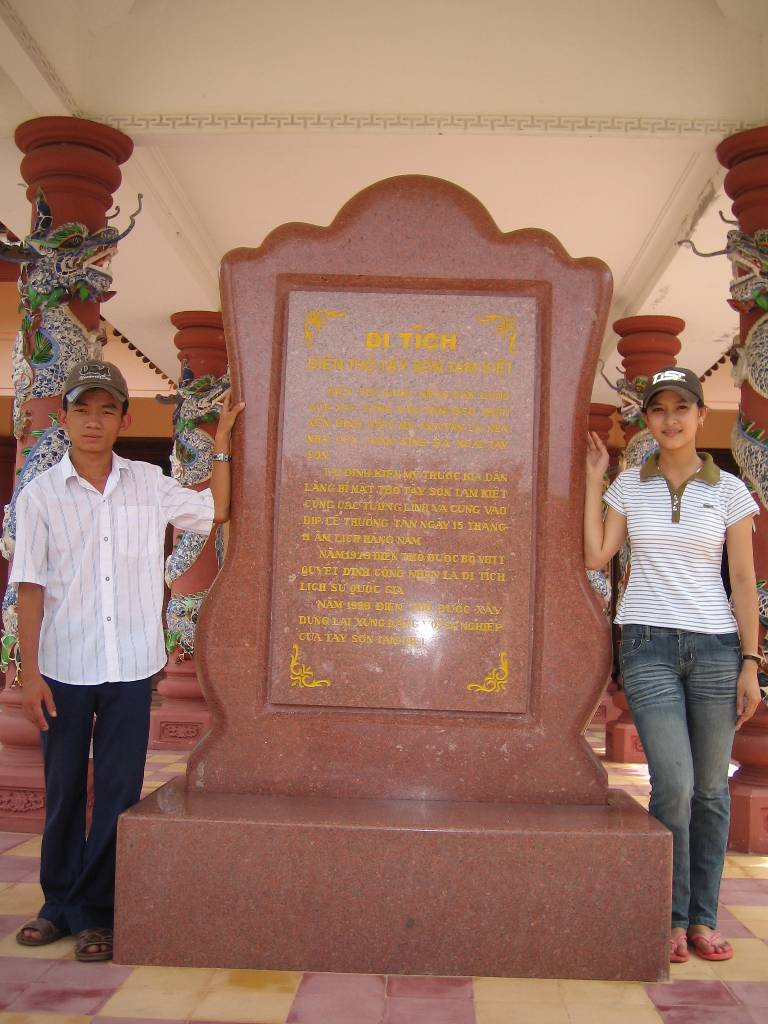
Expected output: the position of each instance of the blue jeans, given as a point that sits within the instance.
(681, 690)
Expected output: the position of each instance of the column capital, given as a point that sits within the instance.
(76, 163)
(745, 155)
(648, 343)
(200, 341)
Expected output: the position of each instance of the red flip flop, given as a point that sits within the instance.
(705, 946)
(678, 950)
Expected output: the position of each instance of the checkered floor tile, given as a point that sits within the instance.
(47, 986)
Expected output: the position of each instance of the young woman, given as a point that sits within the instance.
(689, 663)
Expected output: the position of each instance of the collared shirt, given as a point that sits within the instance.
(99, 558)
(677, 537)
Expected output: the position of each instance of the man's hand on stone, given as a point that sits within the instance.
(35, 695)
(227, 417)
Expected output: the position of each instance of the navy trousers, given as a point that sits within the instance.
(77, 871)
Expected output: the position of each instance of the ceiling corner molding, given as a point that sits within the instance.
(525, 124)
(44, 67)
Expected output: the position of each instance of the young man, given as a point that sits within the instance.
(88, 565)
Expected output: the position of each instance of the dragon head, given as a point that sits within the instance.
(63, 263)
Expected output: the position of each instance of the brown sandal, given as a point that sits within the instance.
(48, 932)
(94, 937)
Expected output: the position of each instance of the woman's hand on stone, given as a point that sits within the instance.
(597, 457)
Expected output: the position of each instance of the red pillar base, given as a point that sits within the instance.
(178, 725)
(22, 790)
(22, 785)
(622, 744)
(183, 717)
(749, 816)
(607, 710)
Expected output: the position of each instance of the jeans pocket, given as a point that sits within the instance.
(633, 640)
(728, 640)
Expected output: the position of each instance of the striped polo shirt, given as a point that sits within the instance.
(677, 541)
(99, 558)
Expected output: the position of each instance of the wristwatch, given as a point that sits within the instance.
(222, 457)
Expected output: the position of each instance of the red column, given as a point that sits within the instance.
(76, 164)
(745, 155)
(647, 344)
(183, 717)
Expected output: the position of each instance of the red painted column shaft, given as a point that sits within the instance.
(76, 164)
(745, 155)
(183, 717)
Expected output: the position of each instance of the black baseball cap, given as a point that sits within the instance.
(674, 378)
(86, 376)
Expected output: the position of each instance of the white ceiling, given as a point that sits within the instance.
(596, 121)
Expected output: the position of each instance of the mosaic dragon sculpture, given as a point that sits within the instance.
(56, 265)
(197, 403)
(749, 293)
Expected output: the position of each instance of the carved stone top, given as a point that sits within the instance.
(403, 611)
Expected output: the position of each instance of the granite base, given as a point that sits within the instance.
(396, 887)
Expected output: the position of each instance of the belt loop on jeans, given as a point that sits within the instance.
(646, 632)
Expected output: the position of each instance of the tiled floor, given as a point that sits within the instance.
(48, 986)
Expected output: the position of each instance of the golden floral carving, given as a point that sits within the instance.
(496, 680)
(302, 675)
(316, 319)
(506, 326)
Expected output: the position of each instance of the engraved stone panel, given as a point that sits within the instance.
(404, 526)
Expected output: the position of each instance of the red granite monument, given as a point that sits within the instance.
(401, 651)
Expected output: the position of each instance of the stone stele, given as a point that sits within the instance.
(401, 652)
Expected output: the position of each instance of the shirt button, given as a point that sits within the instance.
(109, 618)
(107, 578)
(106, 538)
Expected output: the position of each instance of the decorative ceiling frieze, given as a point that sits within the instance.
(398, 123)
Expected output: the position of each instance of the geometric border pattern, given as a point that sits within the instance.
(383, 123)
(377, 123)
(480, 123)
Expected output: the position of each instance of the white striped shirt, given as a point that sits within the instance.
(99, 558)
(677, 545)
